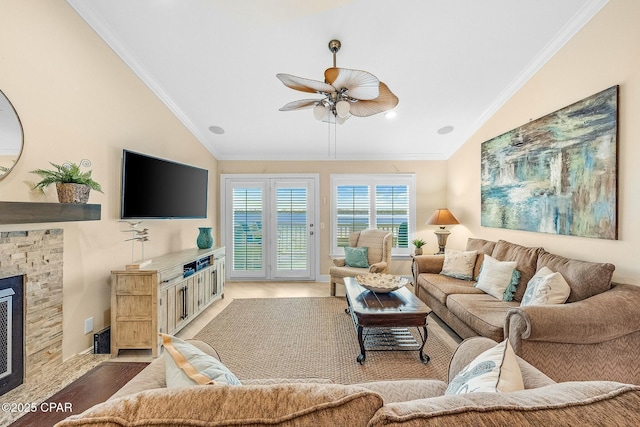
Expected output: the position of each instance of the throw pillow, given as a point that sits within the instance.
(187, 365)
(459, 264)
(546, 287)
(498, 278)
(356, 257)
(495, 370)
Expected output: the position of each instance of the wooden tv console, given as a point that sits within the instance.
(163, 296)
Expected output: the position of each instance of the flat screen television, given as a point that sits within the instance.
(154, 188)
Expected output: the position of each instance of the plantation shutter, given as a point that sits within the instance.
(392, 212)
(291, 207)
(248, 219)
(353, 211)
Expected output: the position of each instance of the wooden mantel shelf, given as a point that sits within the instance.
(30, 212)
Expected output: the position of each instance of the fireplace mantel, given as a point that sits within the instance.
(31, 212)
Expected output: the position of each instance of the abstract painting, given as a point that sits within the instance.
(556, 174)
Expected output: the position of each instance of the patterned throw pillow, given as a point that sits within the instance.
(459, 264)
(498, 278)
(496, 370)
(356, 257)
(187, 365)
(546, 287)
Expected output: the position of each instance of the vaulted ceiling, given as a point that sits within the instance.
(452, 63)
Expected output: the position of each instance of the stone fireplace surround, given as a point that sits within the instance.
(38, 256)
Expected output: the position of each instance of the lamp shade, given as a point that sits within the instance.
(442, 217)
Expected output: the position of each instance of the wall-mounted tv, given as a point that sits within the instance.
(154, 188)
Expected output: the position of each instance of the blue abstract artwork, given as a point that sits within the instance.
(556, 174)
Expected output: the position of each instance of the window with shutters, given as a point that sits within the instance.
(381, 201)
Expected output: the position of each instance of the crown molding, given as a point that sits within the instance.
(580, 19)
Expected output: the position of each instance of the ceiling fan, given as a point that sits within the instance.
(346, 92)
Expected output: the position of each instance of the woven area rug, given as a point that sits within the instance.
(309, 338)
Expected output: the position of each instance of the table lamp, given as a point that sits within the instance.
(442, 217)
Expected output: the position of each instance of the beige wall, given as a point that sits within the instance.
(430, 192)
(604, 53)
(77, 100)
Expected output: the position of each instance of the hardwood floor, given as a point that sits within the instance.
(94, 387)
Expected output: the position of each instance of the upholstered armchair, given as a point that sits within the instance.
(378, 243)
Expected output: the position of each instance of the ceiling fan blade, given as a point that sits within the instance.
(359, 84)
(305, 85)
(301, 104)
(386, 101)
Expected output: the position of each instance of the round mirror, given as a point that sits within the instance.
(11, 137)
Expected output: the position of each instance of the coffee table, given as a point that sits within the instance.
(386, 317)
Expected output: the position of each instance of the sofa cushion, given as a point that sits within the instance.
(526, 259)
(440, 286)
(495, 370)
(482, 313)
(283, 405)
(546, 287)
(342, 272)
(459, 264)
(572, 403)
(403, 390)
(585, 279)
(484, 247)
(498, 278)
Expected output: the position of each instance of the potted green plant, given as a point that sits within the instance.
(418, 243)
(72, 184)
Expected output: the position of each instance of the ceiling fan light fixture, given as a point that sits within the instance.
(346, 92)
(320, 112)
(342, 108)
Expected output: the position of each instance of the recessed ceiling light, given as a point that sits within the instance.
(445, 130)
(216, 129)
(391, 114)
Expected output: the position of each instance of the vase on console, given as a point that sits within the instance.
(205, 239)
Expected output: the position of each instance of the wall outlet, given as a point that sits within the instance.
(88, 325)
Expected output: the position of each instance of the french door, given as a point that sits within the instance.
(269, 224)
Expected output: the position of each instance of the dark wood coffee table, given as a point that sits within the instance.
(386, 316)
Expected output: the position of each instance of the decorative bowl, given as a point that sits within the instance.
(381, 283)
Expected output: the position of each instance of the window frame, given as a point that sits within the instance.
(373, 180)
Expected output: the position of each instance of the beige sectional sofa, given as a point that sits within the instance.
(595, 335)
(419, 402)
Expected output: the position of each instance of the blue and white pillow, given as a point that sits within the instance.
(493, 371)
(459, 264)
(546, 287)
